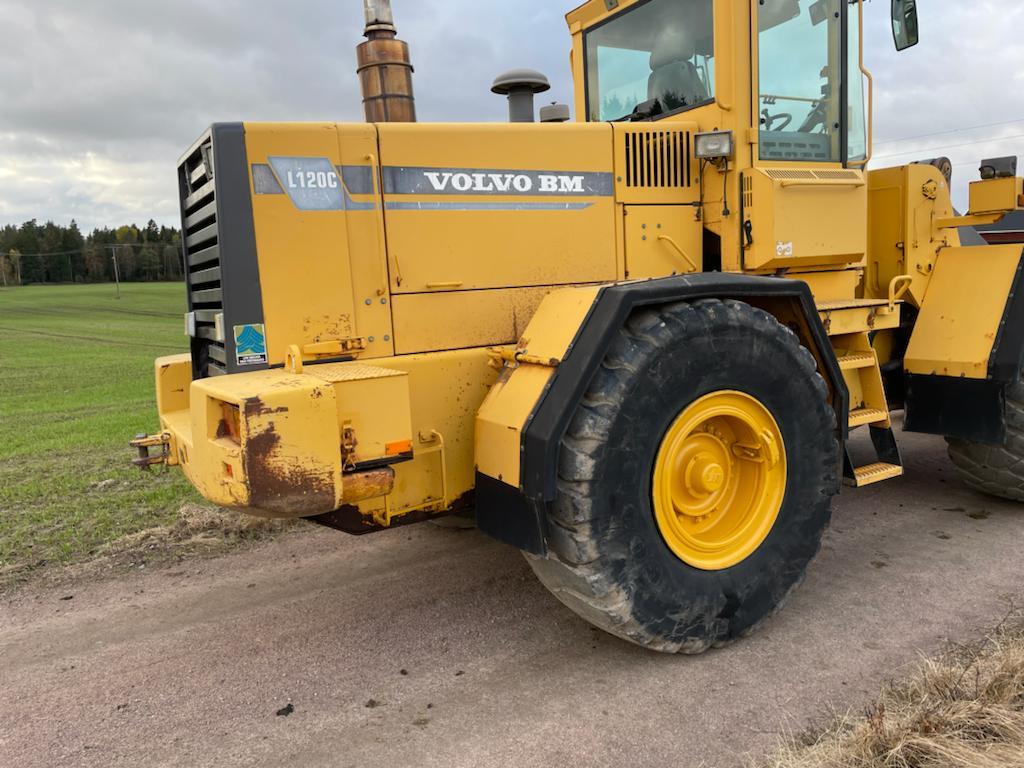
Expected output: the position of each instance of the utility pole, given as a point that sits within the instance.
(3, 268)
(15, 265)
(117, 273)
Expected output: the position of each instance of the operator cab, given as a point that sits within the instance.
(655, 59)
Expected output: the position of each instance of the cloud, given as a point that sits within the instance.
(959, 76)
(98, 99)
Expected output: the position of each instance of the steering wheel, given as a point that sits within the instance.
(769, 120)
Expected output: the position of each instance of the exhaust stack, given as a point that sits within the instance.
(385, 69)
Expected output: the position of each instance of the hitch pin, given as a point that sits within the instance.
(143, 443)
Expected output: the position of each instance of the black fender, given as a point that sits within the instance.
(517, 515)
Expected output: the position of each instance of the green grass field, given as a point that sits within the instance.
(76, 384)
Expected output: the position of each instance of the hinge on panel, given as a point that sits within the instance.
(516, 356)
(295, 356)
(349, 443)
(335, 347)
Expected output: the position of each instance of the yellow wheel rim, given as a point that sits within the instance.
(719, 480)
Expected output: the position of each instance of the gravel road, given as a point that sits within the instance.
(431, 647)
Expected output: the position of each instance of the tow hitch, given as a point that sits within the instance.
(147, 458)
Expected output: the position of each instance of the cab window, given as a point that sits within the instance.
(659, 49)
(800, 75)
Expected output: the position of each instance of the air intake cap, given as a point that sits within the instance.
(520, 85)
(554, 113)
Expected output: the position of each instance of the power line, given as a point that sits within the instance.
(100, 246)
(946, 133)
(951, 146)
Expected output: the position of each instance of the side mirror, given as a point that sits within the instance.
(904, 24)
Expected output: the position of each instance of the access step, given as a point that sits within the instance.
(856, 360)
(874, 473)
(888, 462)
(862, 416)
(841, 318)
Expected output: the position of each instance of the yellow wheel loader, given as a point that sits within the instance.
(635, 344)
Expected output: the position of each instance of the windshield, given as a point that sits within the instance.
(659, 49)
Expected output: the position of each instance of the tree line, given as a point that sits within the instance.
(52, 253)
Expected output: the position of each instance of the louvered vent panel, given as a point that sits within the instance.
(202, 257)
(748, 193)
(793, 174)
(657, 159)
(789, 174)
(837, 175)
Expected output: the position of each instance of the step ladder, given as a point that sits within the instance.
(868, 407)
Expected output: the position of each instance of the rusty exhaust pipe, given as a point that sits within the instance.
(385, 69)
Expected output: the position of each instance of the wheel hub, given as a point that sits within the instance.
(719, 480)
(704, 476)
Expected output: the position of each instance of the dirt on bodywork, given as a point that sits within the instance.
(276, 484)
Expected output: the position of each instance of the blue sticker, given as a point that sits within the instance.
(250, 345)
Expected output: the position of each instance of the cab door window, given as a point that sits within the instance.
(800, 77)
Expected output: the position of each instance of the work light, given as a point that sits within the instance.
(714, 145)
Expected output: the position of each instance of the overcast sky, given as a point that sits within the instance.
(99, 97)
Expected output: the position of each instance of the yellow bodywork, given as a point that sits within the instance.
(412, 328)
(802, 218)
(996, 195)
(959, 319)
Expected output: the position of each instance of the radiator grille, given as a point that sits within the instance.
(202, 258)
(658, 159)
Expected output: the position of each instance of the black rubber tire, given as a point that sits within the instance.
(996, 470)
(608, 561)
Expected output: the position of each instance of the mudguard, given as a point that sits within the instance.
(515, 513)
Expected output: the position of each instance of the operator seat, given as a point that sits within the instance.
(674, 80)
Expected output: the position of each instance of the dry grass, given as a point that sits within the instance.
(198, 525)
(964, 710)
(196, 531)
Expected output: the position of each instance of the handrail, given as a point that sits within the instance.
(870, 148)
(680, 251)
(725, 75)
(898, 288)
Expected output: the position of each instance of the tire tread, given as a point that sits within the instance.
(995, 470)
(574, 571)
